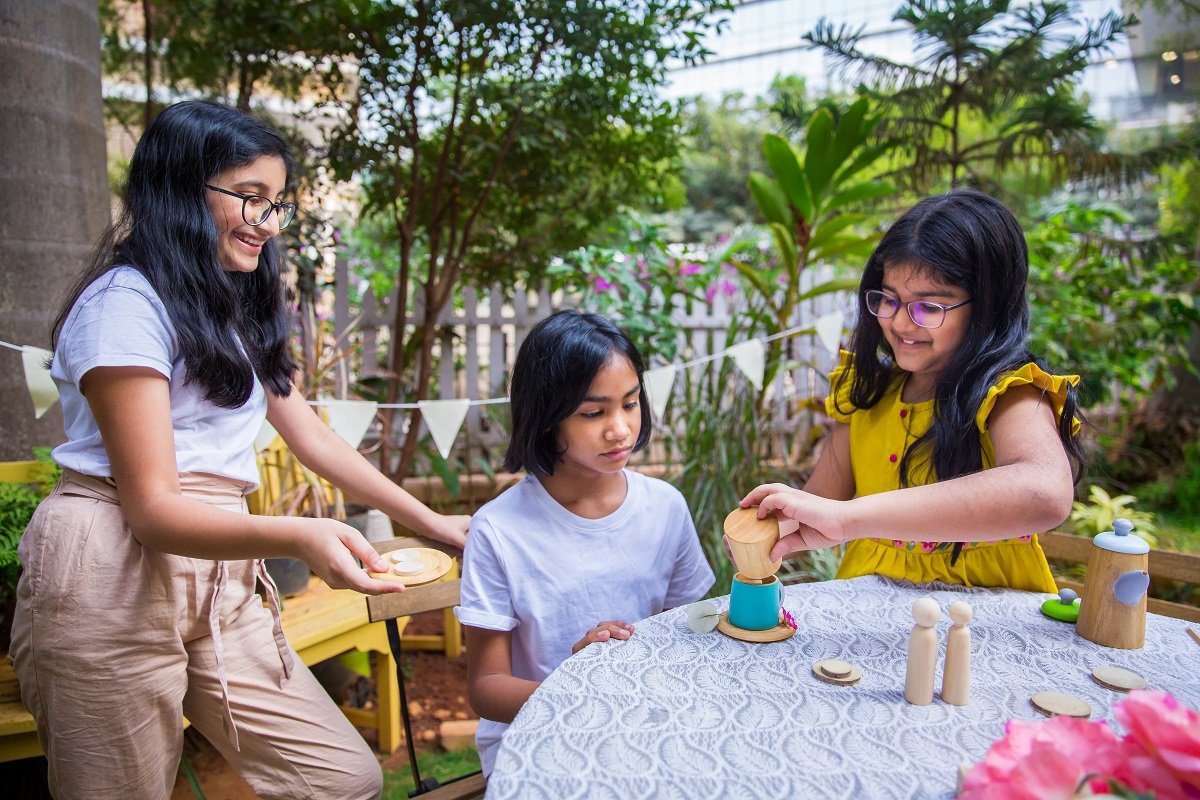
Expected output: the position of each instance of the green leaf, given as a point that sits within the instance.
(863, 191)
(828, 229)
(865, 157)
(818, 161)
(787, 171)
(769, 197)
(786, 245)
(449, 476)
(840, 246)
(829, 287)
(849, 134)
(752, 273)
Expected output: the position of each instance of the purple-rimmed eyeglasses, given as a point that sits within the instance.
(924, 313)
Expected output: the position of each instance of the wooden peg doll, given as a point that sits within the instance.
(956, 676)
(922, 653)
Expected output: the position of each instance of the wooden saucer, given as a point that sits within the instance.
(1058, 704)
(1118, 679)
(839, 673)
(776, 634)
(433, 565)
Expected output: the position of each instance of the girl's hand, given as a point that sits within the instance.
(330, 550)
(450, 529)
(604, 631)
(820, 520)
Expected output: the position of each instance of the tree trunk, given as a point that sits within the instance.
(54, 199)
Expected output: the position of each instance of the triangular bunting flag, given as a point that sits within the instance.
(444, 418)
(42, 390)
(658, 382)
(829, 331)
(750, 357)
(266, 435)
(350, 419)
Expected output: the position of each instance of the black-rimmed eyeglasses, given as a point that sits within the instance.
(924, 313)
(256, 208)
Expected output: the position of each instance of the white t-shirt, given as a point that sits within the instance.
(534, 568)
(119, 321)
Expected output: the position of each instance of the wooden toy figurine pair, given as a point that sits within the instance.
(922, 655)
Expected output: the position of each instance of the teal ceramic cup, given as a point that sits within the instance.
(755, 606)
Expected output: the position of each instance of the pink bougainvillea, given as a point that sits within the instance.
(1064, 757)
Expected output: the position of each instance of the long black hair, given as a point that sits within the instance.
(966, 239)
(166, 232)
(555, 367)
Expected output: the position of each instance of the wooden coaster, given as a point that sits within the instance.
(1058, 704)
(433, 565)
(839, 673)
(1118, 679)
(776, 634)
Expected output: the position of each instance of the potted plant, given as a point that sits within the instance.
(18, 501)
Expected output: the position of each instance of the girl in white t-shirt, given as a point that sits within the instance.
(582, 547)
(137, 601)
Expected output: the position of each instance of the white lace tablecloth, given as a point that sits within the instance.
(673, 714)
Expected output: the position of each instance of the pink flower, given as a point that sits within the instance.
(789, 620)
(710, 293)
(689, 269)
(601, 285)
(1164, 745)
(1044, 760)
(728, 287)
(1159, 755)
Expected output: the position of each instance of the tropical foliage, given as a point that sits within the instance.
(494, 136)
(1015, 65)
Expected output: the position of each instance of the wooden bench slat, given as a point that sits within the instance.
(1183, 567)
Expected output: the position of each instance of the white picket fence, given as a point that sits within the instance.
(479, 339)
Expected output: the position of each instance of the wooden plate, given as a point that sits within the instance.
(1118, 679)
(776, 634)
(839, 673)
(1059, 704)
(434, 564)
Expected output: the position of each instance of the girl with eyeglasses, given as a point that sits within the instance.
(136, 606)
(952, 447)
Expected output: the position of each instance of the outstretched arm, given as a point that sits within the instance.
(132, 408)
(495, 693)
(1029, 490)
(331, 457)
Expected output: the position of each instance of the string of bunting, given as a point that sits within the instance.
(351, 419)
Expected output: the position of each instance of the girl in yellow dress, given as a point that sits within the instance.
(952, 447)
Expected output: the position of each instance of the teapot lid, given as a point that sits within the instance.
(1121, 540)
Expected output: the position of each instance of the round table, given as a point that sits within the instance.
(674, 714)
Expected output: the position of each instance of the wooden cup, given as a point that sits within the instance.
(750, 541)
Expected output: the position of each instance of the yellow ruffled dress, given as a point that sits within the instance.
(878, 439)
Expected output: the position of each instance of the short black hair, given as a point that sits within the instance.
(555, 368)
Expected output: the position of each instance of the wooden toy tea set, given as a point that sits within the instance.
(414, 566)
(755, 594)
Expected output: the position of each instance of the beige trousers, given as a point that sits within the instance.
(114, 643)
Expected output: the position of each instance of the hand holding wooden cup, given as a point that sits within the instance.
(750, 540)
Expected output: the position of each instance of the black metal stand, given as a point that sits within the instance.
(428, 784)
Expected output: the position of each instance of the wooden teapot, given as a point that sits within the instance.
(1112, 612)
